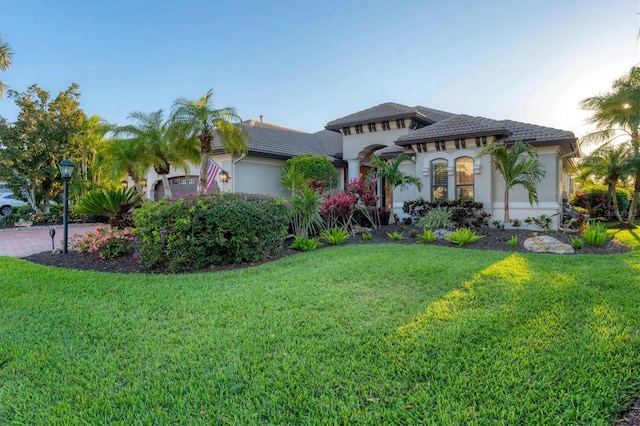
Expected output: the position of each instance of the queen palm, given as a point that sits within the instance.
(518, 165)
(616, 115)
(390, 173)
(198, 120)
(611, 163)
(84, 148)
(122, 157)
(5, 62)
(161, 146)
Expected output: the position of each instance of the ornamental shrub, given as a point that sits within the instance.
(317, 169)
(109, 243)
(465, 212)
(592, 195)
(463, 236)
(194, 232)
(437, 218)
(595, 234)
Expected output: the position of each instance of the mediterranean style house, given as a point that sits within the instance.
(442, 147)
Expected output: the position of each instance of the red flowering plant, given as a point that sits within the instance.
(337, 211)
(367, 199)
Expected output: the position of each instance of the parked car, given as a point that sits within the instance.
(7, 202)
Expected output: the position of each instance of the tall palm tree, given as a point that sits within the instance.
(609, 162)
(125, 157)
(84, 148)
(198, 120)
(5, 62)
(389, 172)
(518, 165)
(160, 144)
(616, 115)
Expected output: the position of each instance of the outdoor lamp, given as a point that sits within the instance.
(143, 182)
(66, 170)
(224, 177)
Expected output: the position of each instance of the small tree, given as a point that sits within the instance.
(389, 172)
(518, 165)
(315, 168)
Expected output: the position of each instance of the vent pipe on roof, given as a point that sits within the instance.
(261, 118)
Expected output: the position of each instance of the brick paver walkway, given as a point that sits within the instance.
(21, 242)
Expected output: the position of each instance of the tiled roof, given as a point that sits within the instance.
(465, 126)
(269, 140)
(389, 111)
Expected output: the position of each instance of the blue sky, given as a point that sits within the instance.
(304, 63)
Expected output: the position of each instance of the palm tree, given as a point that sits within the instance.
(198, 120)
(389, 172)
(617, 115)
(611, 163)
(5, 62)
(160, 144)
(84, 148)
(125, 157)
(518, 165)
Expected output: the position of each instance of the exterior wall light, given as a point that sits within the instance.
(124, 184)
(224, 177)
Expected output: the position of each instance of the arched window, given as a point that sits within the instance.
(439, 179)
(464, 178)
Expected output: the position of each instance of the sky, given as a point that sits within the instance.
(302, 63)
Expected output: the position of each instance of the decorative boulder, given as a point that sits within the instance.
(547, 244)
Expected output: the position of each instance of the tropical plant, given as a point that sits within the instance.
(86, 147)
(5, 62)
(543, 222)
(395, 235)
(610, 163)
(305, 203)
(516, 223)
(367, 236)
(161, 146)
(109, 243)
(463, 236)
(576, 242)
(389, 172)
(518, 165)
(335, 236)
(116, 204)
(125, 157)
(437, 218)
(427, 236)
(512, 242)
(616, 115)
(595, 234)
(304, 243)
(198, 120)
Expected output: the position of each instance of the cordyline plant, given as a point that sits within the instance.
(337, 211)
(364, 190)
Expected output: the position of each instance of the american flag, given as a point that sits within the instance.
(214, 169)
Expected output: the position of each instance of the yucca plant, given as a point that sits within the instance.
(116, 204)
(427, 236)
(437, 218)
(595, 234)
(463, 236)
(334, 237)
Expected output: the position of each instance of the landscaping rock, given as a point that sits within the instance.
(547, 244)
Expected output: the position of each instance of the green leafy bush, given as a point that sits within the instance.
(463, 236)
(194, 232)
(427, 236)
(109, 243)
(437, 218)
(367, 236)
(334, 237)
(304, 243)
(595, 234)
(591, 196)
(513, 241)
(315, 168)
(465, 212)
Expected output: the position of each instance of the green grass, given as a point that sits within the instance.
(376, 334)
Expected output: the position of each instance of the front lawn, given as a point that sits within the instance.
(376, 334)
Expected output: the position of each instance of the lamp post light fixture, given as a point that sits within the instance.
(52, 234)
(66, 171)
(224, 177)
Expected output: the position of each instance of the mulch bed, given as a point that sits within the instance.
(493, 240)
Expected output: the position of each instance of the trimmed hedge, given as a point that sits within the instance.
(194, 232)
(465, 212)
(592, 195)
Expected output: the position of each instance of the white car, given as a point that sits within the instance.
(7, 202)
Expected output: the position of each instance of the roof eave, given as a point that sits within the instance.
(408, 142)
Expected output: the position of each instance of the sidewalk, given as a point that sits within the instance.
(21, 242)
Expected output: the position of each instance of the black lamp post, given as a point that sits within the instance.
(66, 171)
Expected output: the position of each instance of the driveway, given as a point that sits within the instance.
(21, 242)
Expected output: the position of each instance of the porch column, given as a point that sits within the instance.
(354, 169)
